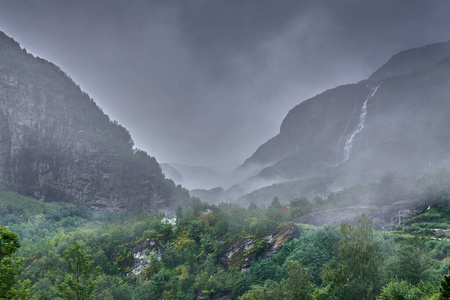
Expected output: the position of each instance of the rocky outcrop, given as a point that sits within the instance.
(277, 239)
(244, 251)
(240, 253)
(57, 144)
(140, 254)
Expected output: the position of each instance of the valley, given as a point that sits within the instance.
(231, 252)
(349, 200)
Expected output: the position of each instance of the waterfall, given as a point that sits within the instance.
(362, 122)
(342, 135)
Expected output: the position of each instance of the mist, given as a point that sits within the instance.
(206, 83)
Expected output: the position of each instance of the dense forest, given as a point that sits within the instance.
(62, 251)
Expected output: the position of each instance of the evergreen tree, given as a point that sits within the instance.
(275, 211)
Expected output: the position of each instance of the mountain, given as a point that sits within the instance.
(395, 121)
(193, 177)
(171, 172)
(57, 144)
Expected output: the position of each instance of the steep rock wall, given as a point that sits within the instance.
(57, 144)
(404, 109)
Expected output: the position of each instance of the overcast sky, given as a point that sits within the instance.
(207, 82)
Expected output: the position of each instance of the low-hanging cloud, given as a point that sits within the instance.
(206, 82)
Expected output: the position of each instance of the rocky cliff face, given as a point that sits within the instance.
(240, 253)
(396, 121)
(57, 144)
(243, 252)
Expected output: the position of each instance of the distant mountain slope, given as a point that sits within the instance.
(396, 121)
(57, 144)
(171, 172)
(193, 177)
(411, 60)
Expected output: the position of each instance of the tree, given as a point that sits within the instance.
(299, 284)
(445, 287)
(154, 265)
(400, 290)
(413, 262)
(272, 292)
(275, 211)
(300, 207)
(79, 283)
(10, 267)
(179, 214)
(357, 275)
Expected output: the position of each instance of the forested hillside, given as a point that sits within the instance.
(231, 252)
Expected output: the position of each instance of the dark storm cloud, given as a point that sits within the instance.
(206, 82)
(312, 34)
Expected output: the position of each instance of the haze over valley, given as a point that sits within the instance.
(207, 84)
(224, 150)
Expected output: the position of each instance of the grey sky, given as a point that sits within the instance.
(206, 82)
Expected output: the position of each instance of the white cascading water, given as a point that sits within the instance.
(342, 134)
(362, 122)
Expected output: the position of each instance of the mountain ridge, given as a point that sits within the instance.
(193, 177)
(57, 144)
(393, 114)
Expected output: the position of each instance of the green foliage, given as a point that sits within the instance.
(357, 275)
(445, 287)
(271, 292)
(314, 248)
(275, 211)
(400, 290)
(413, 262)
(187, 260)
(79, 282)
(299, 283)
(300, 207)
(10, 266)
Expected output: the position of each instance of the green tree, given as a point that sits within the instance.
(401, 290)
(299, 284)
(413, 262)
(80, 281)
(445, 287)
(154, 266)
(179, 214)
(275, 211)
(10, 267)
(357, 275)
(272, 292)
(300, 207)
